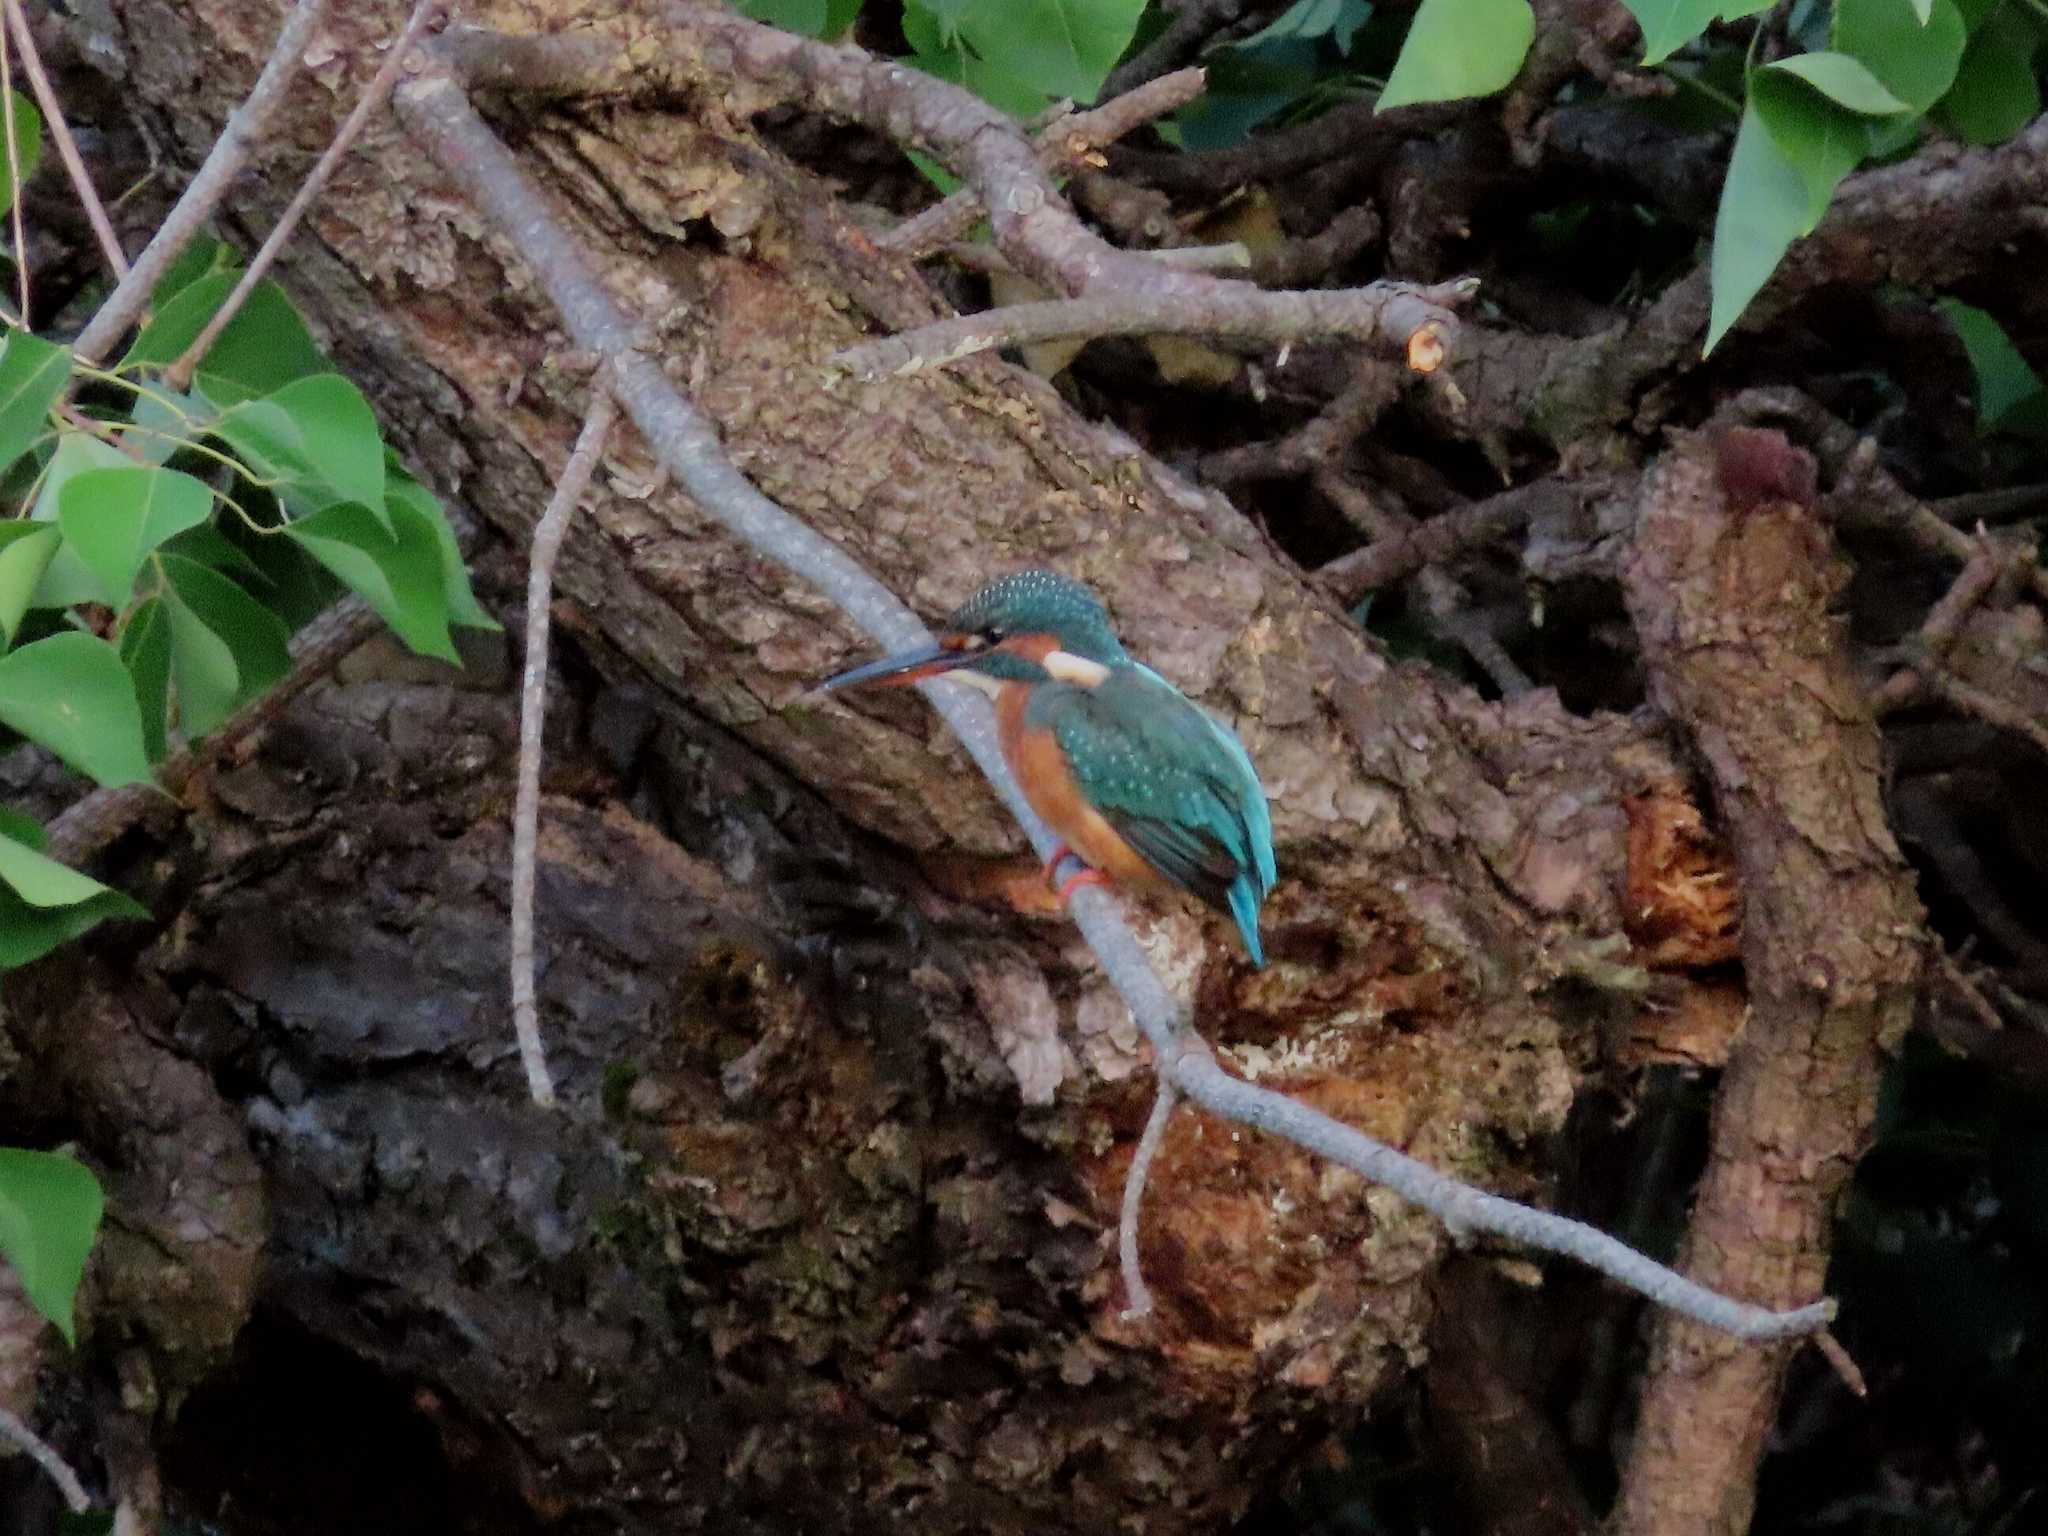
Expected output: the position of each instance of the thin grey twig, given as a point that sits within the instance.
(67, 147)
(1410, 316)
(14, 174)
(540, 582)
(223, 163)
(44, 1455)
(1066, 145)
(452, 132)
(1138, 1295)
(179, 374)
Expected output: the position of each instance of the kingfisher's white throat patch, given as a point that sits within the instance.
(1066, 667)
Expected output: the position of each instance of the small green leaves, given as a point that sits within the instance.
(1820, 140)
(398, 573)
(1764, 207)
(1019, 54)
(1996, 93)
(71, 693)
(1668, 25)
(226, 647)
(807, 18)
(1459, 48)
(1913, 49)
(2010, 395)
(146, 653)
(28, 144)
(1844, 81)
(33, 374)
(316, 439)
(115, 517)
(44, 903)
(25, 551)
(50, 1208)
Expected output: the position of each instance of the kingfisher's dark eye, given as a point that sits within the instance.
(989, 634)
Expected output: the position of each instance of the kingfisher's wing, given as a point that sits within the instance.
(1174, 783)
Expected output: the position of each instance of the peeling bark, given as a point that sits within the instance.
(1731, 586)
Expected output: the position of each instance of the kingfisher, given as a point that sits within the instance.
(1144, 787)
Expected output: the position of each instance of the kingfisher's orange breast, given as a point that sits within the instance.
(1048, 782)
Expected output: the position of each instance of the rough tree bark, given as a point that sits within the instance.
(825, 1234)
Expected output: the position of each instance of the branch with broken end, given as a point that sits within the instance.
(1421, 321)
(441, 118)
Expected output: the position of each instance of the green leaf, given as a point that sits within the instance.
(33, 374)
(23, 829)
(1914, 49)
(1668, 25)
(317, 437)
(175, 323)
(166, 421)
(1844, 81)
(398, 576)
(202, 258)
(146, 652)
(806, 18)
(28, 144)
(265, 347)
(1996, 93)
(463, 608)
(71, 694)
(937, 49)
(1459, 48)
(50, 1208)
(69, 580)
(1822, 140)
(226, 647)
(1764, 208)
(1304, 19)
(2008, 389)
(25, 551)
(1060, 47)
(115, 517)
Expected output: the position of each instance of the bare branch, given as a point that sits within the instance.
(44, 1455)
(67, 147)
(1067, 144)
(1438, 539)
(450, 130)
(14, 176)
(1137, 1295)
(540, 581)
(223, 163)
(179, 374)
(1418, 319)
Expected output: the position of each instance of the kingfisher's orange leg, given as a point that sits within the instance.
(1052, 865)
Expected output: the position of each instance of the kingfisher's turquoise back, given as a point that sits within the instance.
(1173, 781)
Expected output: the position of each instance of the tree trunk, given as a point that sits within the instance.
(826, 1230)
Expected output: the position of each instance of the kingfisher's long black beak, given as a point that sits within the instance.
(897, 671)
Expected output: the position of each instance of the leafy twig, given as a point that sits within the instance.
(450, 130)
(179, 374)
(223, 163)
(540, 581)
(67, 147)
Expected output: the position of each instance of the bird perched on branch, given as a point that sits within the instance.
(1143, 787)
